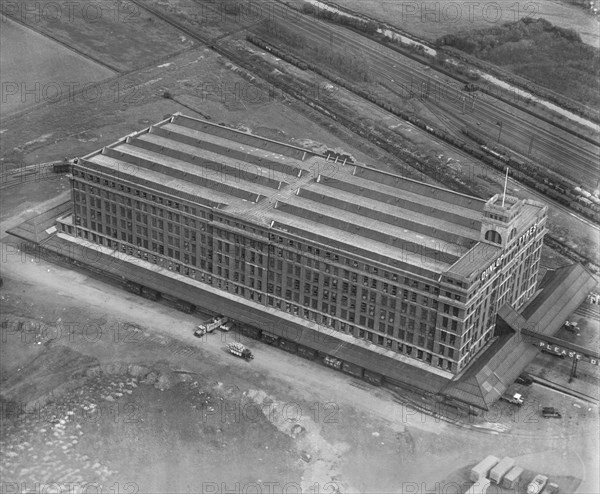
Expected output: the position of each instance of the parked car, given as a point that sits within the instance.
(552, 352)
(550, 412)
(524, 379)
(537, 484)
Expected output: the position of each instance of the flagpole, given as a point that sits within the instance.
(505, 184)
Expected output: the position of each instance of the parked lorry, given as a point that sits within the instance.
(240, 350)
(228, 326)
(515, 399)
(479, 487)
(482, 469)
(501, 469)
(210, 325)
(550, 412)
(511, 479)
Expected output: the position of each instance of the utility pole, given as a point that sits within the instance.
(500, 130)
(573, 370)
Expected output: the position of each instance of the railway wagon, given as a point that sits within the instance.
(150, 294)
(250, 331)
(330, 361)
(133, 287)
(373, 377)
(270, 339)
(61, 167)
(288, 346)
(184, 306)
(353, 369)
(307, 353)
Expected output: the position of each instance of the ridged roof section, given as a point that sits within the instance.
(289, 188)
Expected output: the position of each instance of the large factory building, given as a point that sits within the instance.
(405, 278)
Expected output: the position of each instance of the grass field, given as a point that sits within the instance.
(34, 69)
(429, 20)
(117, 33)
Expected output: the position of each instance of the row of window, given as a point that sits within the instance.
(407, 336)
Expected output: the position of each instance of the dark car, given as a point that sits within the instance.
(524, 379)
(550, 412)
(552, 352)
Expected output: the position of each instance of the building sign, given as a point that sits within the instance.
(528, 233)
(558, 350)
(498, 262)
(492, 268)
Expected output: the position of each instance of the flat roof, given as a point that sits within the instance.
(274, 184)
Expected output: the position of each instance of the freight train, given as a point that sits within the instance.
(312, 354)
(272, 339)
(578, 198)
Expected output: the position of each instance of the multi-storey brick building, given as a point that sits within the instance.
(403, 267)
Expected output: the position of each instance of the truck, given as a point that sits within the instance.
(210, 325)
(479, 487)
(515, 399)
(501, 469)
(482, 469)
(228, 326)
(240, 350)
(550, 412)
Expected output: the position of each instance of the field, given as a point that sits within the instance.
(430, 20)
(35, 69)
(118, 34)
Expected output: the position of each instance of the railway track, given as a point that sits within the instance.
(445, 116)
(28, 174)
(552, 146)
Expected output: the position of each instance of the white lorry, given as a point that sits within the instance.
(210, 325)
(240, 350)
(482, 469)
(501, 469)
(515, 399)
(511, 479)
